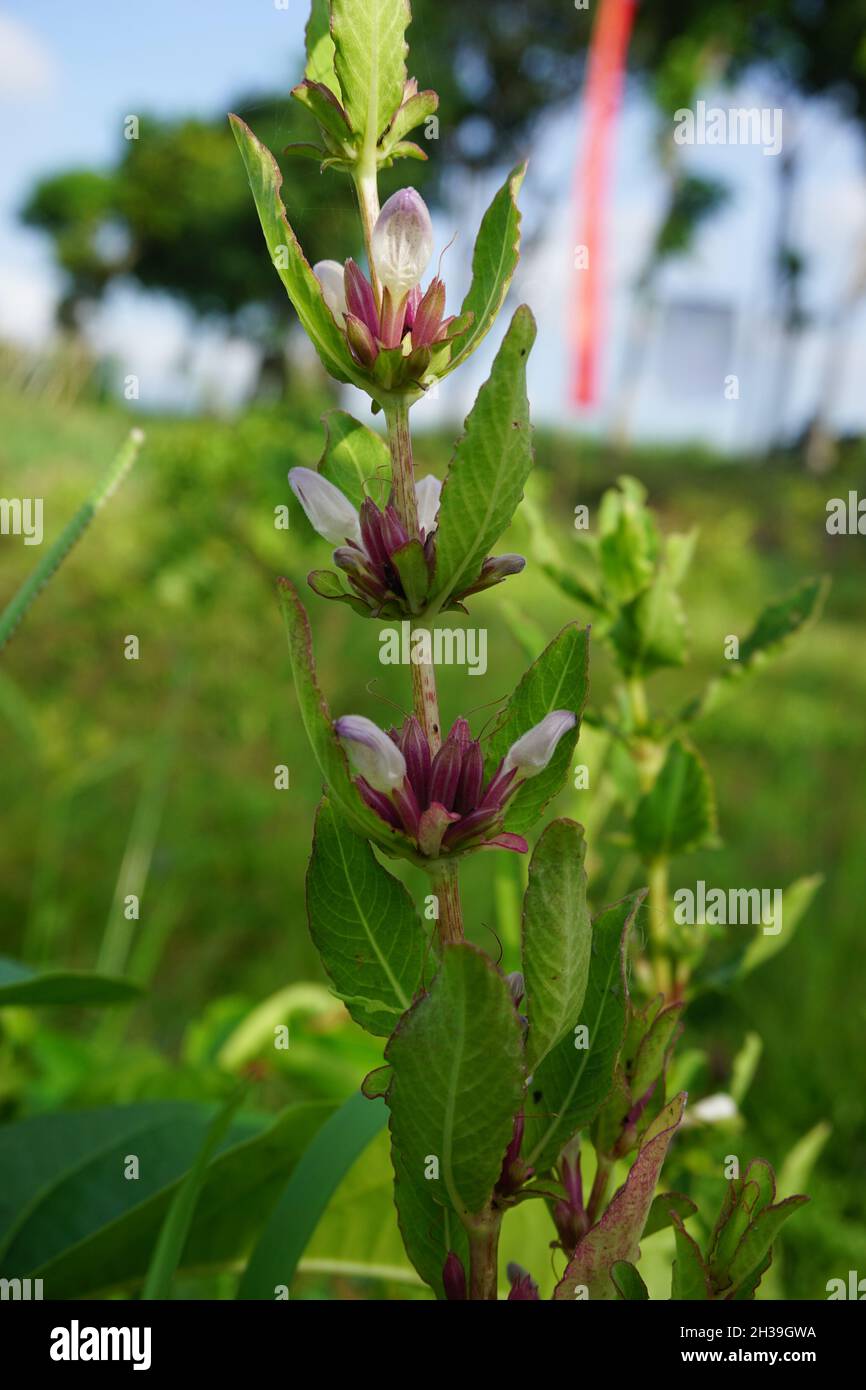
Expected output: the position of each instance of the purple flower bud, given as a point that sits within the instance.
(454, 1278)
(416, 751)
(523, 1286)
(471, 777)
(445, 773)
(517, 986)
(359, 297)
(362, 344)
(534, 750)
(428, 316)
(330, 276)
(371, 753)
(328, 511)
(402, 242)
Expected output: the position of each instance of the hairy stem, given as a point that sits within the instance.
(447, 889)
(484, 1257)
(599, 1188)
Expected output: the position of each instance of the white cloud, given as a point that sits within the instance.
(27, 66)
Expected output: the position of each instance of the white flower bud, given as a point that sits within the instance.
(328, 511)
(330, 276)
(373, 755)
(402, 242)
(427, 494)
(534, 749)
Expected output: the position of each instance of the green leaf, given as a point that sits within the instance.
(665, 1206)
(325, 107)
(796, 1170)
(653, 1050)
(69, 1215)
(490, 466)
(53, 558)
(689, 1277)
(780, 621)
(679, 812)
(363, 925)
(318, 1175)
(429, 1230)
(650, 632)
(291, 265)
(494, 261)
(628, 1283)
(627, 546)
(21, 986)
(796, 900)
(370, 61)
(756, 1241)
(557, 936)
(175, 1229)
(617, 1235)
(559, 679)
(317, 721)
(412, 112)
(320, 47)
(458, 1078)
(354, 456)
(411, 565)
(570, 1085)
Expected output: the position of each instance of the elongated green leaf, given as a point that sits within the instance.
(490, 466)
(19, 985)
(690, 1277)
(317, 721)
(628, 1283)
(320, 47)
(650, 631)
(364, 926)
(354, 456)
(557, 935)
(747, 955)
(72, 532)
(559, 679)
(318, 1175)
(756, 1241)
(653, 1048)
(412, 112)
(679, 811)
(370, 60)
(291, 265)
(570, 1085)
(457, 1084)
(430, 1231)
(494, 261)
(70, 1215)
(617, 1235)
(175, 1229)
(665, 1206)
(782, 620)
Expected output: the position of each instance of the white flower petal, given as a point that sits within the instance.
(330, 276)
(372, 753)
(427, 493)
(534, 749)
(328, 511)
(402, 242)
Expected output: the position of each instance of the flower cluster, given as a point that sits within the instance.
(372, 544)
(393, 332)
(443, 802)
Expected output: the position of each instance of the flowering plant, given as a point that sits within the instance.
(499, 1089)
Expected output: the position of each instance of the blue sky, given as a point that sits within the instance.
(69, 73)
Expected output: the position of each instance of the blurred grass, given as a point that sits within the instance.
(185, 558)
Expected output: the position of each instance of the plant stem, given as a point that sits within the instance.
(659, 924)
(484, 1257)
(599, 1188)
(447, 886)
(368, 205)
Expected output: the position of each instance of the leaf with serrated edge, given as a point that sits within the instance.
(689, 1277)
(678, 813)
(557, 935)
(571, 1084)
(370, 61)
(363, 924)
(354, 456)
(559, 679)
(494, 260)
(297, 276)
(316, 718)
(458, 1079)
(617, 1235)
(757, 1240)
(491, 463)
